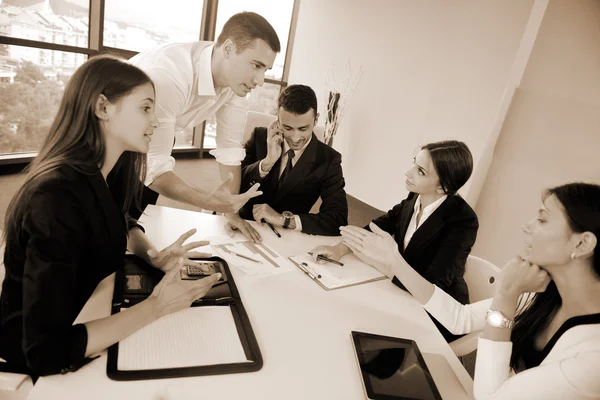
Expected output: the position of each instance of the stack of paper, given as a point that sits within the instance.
(253, 258)
(192, 337)
(334, 276)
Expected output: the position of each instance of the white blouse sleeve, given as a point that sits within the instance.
(456, 317)
(570, 378)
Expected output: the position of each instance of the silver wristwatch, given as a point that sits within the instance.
(498, 320)
(287, 218)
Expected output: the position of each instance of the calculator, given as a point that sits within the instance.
(208, 267)
(193, 270)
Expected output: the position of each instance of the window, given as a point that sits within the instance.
(58, 22)
(42, 42)
(277, 12)
(264, 98)
(31, 86)
(138, 25)
(32, 79)
(279, 15)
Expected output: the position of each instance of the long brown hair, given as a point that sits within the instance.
(75, 138)
(581, 205)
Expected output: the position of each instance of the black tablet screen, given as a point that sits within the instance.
(393, 368)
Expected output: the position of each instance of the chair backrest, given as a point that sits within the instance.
(256, 119)
(2, 271)
(481, 277)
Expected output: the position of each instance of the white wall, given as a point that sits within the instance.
(551, 135)
(433, 70)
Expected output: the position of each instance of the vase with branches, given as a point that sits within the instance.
(340, 86)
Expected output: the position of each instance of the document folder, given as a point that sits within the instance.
(214, 336)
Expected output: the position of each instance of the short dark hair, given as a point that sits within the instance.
(244, 27)
(298, 99)
(453, 163)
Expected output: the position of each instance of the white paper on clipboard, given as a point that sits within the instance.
(333, 276)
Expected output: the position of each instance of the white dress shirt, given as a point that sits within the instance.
(186, 97)
(569, 371)
(283, 160)
(427, 211)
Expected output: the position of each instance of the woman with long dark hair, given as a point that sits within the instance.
(544, 321)
(66, 228)
(434, 227)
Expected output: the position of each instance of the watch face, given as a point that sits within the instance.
(287, 214)
(495, 319)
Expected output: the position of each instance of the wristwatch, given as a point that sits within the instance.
(498, 320)
(287, 218)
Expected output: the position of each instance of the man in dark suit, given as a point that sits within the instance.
(294, 169)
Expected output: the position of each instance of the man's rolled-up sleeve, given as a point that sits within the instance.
(170, 103)
(231, 118)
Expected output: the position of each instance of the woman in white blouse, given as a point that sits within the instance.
(540, 346)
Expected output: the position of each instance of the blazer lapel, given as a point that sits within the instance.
(431, 226)
(269, 184)
(301, 169)
(113, 215)
(403, 222)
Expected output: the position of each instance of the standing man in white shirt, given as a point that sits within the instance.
(195, 81)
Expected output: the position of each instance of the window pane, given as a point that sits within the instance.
(210, 133)
(59, 22)
(277, 12)
(184, 137)
(32, 82)
(139, 24)
(262, 99)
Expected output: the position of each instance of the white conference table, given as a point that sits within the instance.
(302, 330)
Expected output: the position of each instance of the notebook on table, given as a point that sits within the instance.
(331, 276)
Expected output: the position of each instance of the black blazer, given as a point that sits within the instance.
(73, 235)
(438, 250)
(318, 172)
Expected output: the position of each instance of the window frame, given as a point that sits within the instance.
(95, 47)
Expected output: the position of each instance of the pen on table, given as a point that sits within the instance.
(324, 258)
(309, 272)
(246, 257)
(272, 227)
(219, 301)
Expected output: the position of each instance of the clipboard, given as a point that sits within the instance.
(148, 278)
(313, 274)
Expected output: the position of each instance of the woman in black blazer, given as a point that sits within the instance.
(66, 228)
(434, 227)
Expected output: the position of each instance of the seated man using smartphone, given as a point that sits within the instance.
(294, 169)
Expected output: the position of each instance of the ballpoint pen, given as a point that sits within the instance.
(219, 301)
(272, 227)
(240, 255)
(246, 257)
(325, 258)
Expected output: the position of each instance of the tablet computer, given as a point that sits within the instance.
(393, 368)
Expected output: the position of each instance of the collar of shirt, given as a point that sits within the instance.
(206, 84)
(297, 153)
(427, 211)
